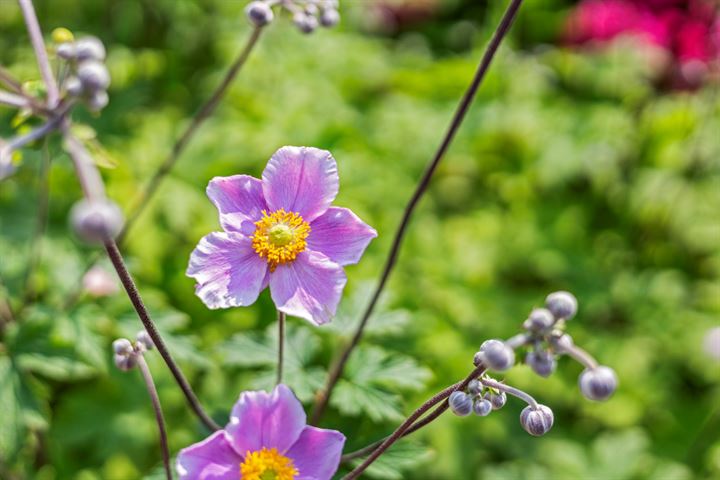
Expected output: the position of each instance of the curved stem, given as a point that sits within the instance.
(132, 292)
(408, 424)
(337, 370)
(87, 173)
(281, 346)
(155, 399)
(581, 356)
(38, 43)
(12, 100)
(179, 147)
(510, 391)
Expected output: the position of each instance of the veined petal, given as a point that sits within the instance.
(271, 420)
(309, 287)
(228, 271)
(239, 199)
(211, 459)
(303, 180)
(340, 235)
(316, 454)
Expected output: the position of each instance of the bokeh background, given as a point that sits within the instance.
(590, 162)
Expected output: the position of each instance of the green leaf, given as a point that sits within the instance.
(356, 399)
(11, 426)
(383, 322)
(402, 456)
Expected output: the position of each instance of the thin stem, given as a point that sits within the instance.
(179, 147)
(6, 166)
(581, 356)
(337, 370)
(87, 172)
(517, 341)
(132, 292)
(408, 423)
(9, 81)
(281, 346)
(510, 391)
(12, 100)
(155, 399)
(38, 43)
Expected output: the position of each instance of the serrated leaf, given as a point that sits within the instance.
(375, 366)
(402, 456)
(355, 399)
(383, 321)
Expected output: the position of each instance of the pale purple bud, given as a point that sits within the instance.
(461, 404)
(539, 319)
(496, 355)
(143, 338)
(497, 400)
(561, 342)
(122, 346)
(538, 421)
(562, 305)
(259, 13)
(66, 51)
(90, 48)
(598, 383)
(305, 23)
(329, 18)
(98, 100)
(712, 343)
(475, 387)
(482, 407)
(125, 362)
(96, 221)
(73, 86)
(542, 362)
(93, 75)
(98, 282)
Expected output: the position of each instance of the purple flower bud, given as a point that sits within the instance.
(66, 51)
(497, 400)
(73, 86)
(482, 407)
(125, 362)
(598, 383)
(122, 346)
(96, 221)
(475, 387)
(98, 100)
(562, 305)
(93, 75)
(539, 319)
(538, 421)
(496, 355)
(329, 18)
(143, 338)
(561, 342)
(259, 13)
(461, 404)
(304, 22)
(90, 48)
(542, 362)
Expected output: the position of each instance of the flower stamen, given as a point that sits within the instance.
(267, 464)
(280, 237)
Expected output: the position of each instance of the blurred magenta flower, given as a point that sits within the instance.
(267, 437)
(280, 231)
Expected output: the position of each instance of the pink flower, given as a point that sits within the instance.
(280, 232)
(267, 437)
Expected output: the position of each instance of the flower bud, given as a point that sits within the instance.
(304, 22)
(539, 319)
(96, 221)
(66, 51)
(329, 18)
(561, 342)
(143, 338)
(90, 48)
(62, 35)
(125, 362)
(98, 100)
(461, 404)
(122, 346)
(73, 86)
(542, 362)
(482, 407)
(598, 383)
(538, 421)
(562, 305)
(496, 355)
(497, 400)
(475, 387)
(259, 13)
(93, 75)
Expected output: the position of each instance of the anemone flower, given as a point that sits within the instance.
(280, 231)
(267, 437)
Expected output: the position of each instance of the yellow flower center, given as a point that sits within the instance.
(280, 237)
(267, 465)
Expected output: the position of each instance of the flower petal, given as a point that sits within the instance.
(211, 459)
(228, 271)
(271, 420)
(316, 454)
(240, 201)
(302, 180)
(340, 235)
(309, 287)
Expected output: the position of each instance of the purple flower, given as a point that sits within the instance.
(267, 437)
(280, 231)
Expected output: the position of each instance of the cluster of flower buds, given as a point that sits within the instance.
(87, 76)
(307, 15)
(546, 339)
(96, 221)
(126, 353)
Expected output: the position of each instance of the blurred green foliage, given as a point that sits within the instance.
(570, 172)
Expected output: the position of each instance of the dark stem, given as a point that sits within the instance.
(147, 376)
(408, 423)
(339, 366)
(7, 78)
(179, 147)
(132, 291)
(281, 346)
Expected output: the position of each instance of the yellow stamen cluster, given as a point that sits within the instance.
(267, 465)
(280, 237)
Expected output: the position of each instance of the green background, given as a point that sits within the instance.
(571, 171)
